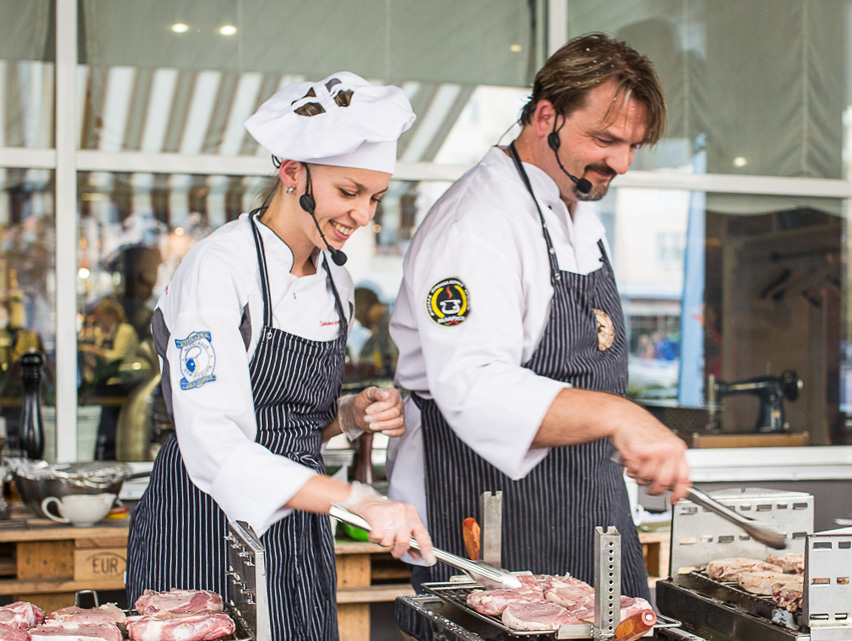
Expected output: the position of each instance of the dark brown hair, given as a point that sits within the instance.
(589, 61)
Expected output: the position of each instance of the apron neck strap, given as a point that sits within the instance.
(551, 252)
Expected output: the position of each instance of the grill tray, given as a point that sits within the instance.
(455, 593)
(731, 592)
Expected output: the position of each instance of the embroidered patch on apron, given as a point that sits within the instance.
(606, 330)
(197, 360)
(448, 302)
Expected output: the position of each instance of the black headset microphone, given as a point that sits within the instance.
(307, 202)
(584, 186)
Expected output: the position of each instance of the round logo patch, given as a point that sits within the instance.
(606, 330)
(197, 360)
(448, 302)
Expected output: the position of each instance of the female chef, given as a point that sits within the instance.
(251, 333)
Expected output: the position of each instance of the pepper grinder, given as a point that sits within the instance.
(31, 431)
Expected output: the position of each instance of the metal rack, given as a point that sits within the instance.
(248, 600)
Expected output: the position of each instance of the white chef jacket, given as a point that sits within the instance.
(215, 422)
(486, 232)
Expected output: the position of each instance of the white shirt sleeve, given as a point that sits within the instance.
(474, 369)
(215, 422)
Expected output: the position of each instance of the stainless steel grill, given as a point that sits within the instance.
(455, 593)
(722, 610)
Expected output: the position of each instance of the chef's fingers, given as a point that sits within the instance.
(419, 533)
(662, 476)
(376, 393)
(382, 400)
(682, 484)
(394, 426)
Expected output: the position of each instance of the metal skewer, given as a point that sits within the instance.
(487, 575)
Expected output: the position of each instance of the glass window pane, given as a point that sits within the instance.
(26, 73)
(134, 229)
(27, 293)
(746, 289)
(191, 92)
(770, 105)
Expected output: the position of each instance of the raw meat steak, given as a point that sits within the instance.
(57, 631)
(791, 563)
(21, 614)
(567, 591)
(729, 569)
(493, 602)
(107, 613)
(629, 607)
(198, 626)
(537, 616)
(8, 633)
(763, 582)
(787, 597)
(178, 601)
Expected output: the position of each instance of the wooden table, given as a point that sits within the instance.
(46, 563)
(366, 573)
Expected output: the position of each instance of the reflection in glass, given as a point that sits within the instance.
(134, 230)
(27, 293)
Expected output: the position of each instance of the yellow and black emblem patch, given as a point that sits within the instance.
(448, 302)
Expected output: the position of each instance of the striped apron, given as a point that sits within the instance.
(177, 531)
(549, 517)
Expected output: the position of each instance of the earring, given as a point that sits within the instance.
(290, 190)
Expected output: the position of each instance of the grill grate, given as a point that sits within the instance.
(731, 592)
(455, 593)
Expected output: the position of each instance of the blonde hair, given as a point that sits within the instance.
(589, 61)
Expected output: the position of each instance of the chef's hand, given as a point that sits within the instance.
(653, 455)
(392, 524)
(380, 410)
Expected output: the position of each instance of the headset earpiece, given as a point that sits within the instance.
(553, 140)
(306, 201)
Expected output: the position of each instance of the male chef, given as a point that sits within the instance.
(511, 334)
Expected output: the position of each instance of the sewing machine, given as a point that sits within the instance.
(771, 390)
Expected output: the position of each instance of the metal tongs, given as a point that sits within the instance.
(759, 532)
(762, 533)
(488, 575)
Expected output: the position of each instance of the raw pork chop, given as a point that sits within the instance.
(56, 631)
(21, 614)
(763, 582)
(8, 633)
(791, 563)
(787, 596)
(567, 591)
(729, 569)
(178, 601)
(493, 602)
(537, 616)
(107, 613)
(629, 607)
(198, 626)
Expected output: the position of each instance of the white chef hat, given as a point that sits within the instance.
(342, 120)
